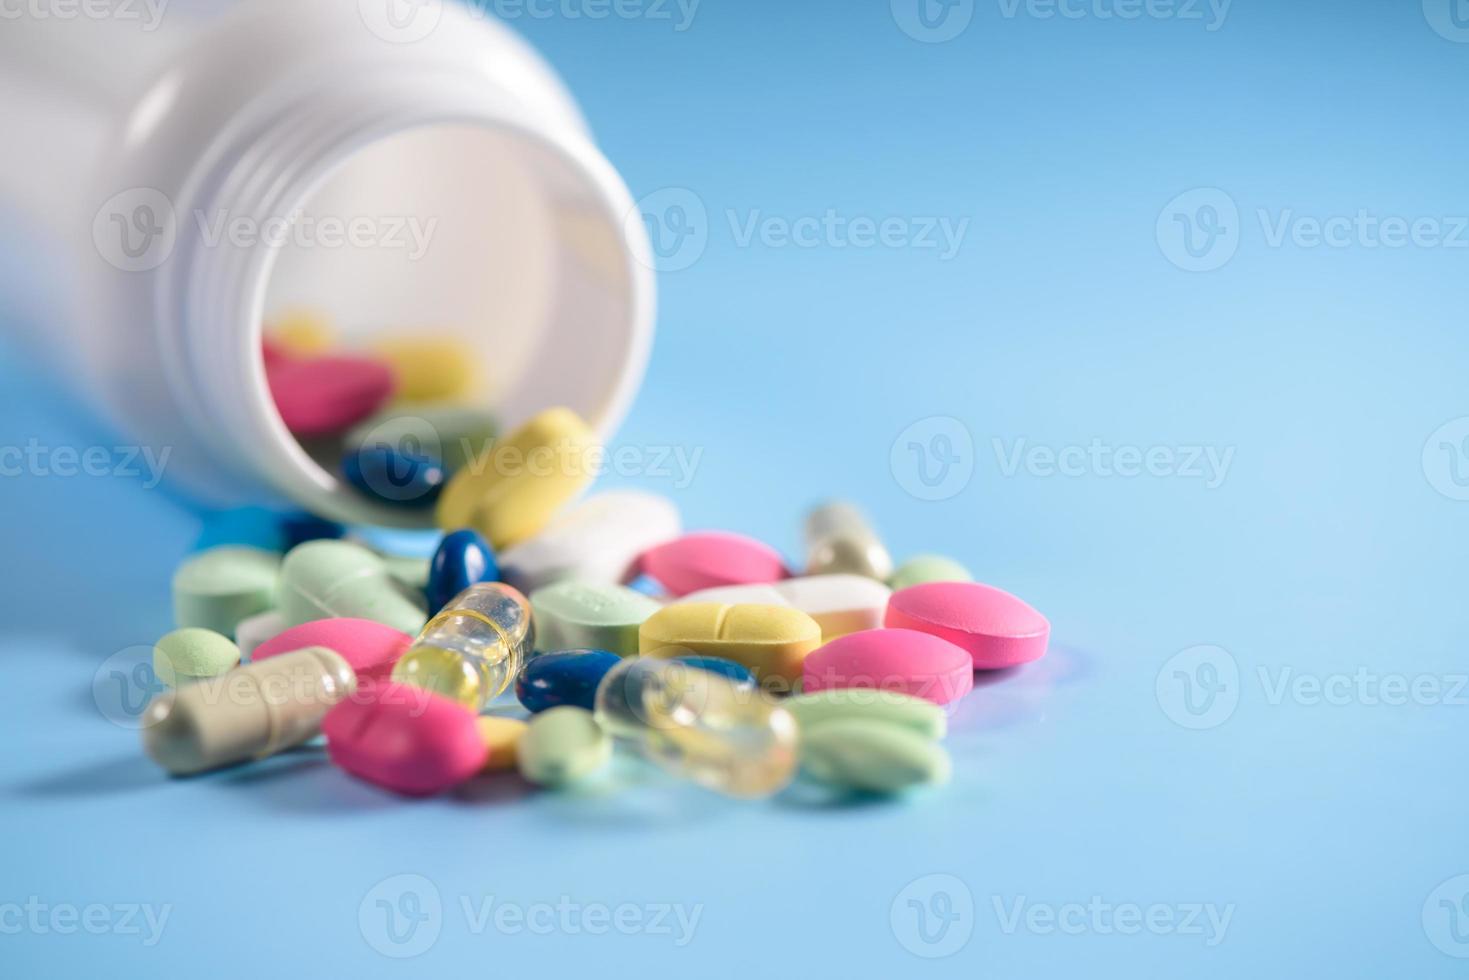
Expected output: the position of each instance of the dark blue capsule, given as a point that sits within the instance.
(738, 673)
(300, 528)
(570, 677)
(463, 558)
(395, 477)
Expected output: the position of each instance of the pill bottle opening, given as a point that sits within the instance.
(504, 250)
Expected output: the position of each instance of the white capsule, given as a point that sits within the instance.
(839, 539)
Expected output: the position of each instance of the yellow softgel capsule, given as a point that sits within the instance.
(472, 649)
(430, 369)
(513, 490)
(501, 736)
(303, 332)
(772, 641)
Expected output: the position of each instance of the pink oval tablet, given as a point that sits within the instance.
(406, 739)
(321, 395)
(709, 559)
(370, 649)
(906, 661)
(998, 629)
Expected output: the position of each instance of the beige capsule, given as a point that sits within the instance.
(839, 540)
(248, 713)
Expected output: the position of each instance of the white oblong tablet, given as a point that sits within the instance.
(839, 603)
(597, 541)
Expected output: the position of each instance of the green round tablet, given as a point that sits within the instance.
(561, 746)
(219, 588)
(192, 654)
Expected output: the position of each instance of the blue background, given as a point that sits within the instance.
(1326, 550)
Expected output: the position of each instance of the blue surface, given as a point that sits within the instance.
(1175, 749)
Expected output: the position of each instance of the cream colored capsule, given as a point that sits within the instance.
(772, 641)
(839, 539)
(249, 713)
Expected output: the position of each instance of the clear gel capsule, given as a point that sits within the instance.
(839, 540)
(472, 650)
(700, 725)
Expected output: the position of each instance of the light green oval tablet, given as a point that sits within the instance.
(331, 579)
(867, 704)
(454, 434)
(192, 654)
(219, 588)
(588, 616)
(561, 746)
(871, 756)
(928, 568)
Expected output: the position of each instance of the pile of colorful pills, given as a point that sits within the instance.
(391, 419)
(702, 652)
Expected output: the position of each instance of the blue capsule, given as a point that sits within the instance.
(571, 677)
(395, 477)
(738, 673)
(463, 558)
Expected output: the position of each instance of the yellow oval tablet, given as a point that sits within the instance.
(430, 369)
(501, 736)
(303, 332)
(770, 640)
(513, 490)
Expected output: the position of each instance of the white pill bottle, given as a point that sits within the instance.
(404, 165)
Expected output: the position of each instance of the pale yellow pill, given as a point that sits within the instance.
(430, 369)
(303, 332)
(501, 736)
(772, 641)
(513, 490)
